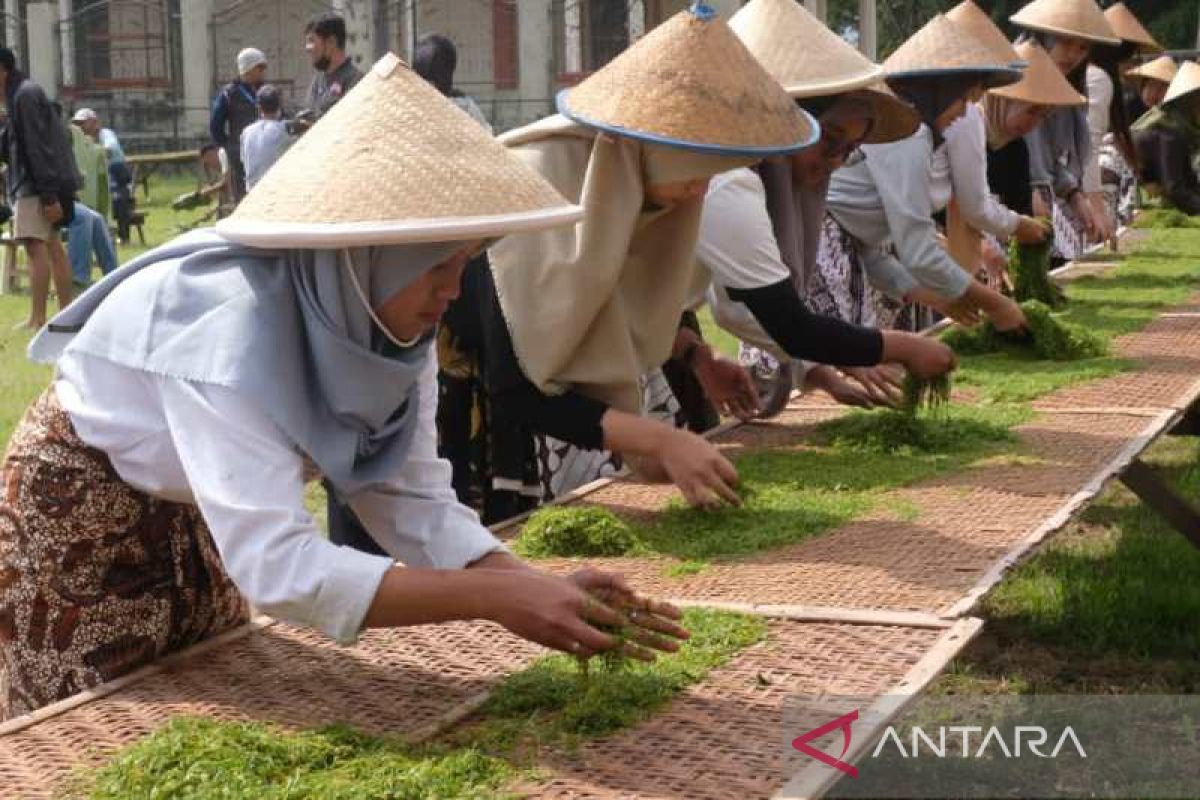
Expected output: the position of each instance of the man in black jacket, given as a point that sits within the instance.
(42, 181)
(234, 110)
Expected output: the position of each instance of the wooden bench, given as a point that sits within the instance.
(10, 270)
(136, 220)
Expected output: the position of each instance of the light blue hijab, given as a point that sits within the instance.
(284, 329)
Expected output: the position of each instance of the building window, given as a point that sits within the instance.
(587, 35)
(505, 53)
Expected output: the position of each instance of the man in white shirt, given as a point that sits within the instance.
(263, 142)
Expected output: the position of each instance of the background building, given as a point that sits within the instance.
(152, 67)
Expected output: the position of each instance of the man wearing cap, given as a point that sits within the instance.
(235, 109)
(120, 179)
(41, 182)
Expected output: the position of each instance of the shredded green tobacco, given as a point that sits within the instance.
(1047, 336)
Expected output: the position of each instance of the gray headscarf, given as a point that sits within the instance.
(285, 330)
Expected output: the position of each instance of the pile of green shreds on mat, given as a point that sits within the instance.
(544, 705)
(584, 531)
(1029, 268)
(1048, 337)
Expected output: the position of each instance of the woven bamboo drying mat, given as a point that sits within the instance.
(407, 682)
(727, 737)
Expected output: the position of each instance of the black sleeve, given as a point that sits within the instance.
(803, 334)
(47, 175)
(570, 416)
(1008, 176)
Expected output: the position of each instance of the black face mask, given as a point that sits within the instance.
(322, 63)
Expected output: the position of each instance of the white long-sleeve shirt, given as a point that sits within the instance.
(199, 443)
(966, 149)
(1100, 95)
(890, 196)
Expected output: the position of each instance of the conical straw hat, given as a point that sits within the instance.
(975, 21)
(1128, 28)
(1082, 19)
(1043, 83)
(943, 48)
(691, 83)
(394, 162)
(799, 51)
(810, 60)
(1162, 69)
(1185, 82)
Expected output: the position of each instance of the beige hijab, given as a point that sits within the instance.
(594, 306)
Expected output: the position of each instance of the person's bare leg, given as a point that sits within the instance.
(39, 283)
(60, 269)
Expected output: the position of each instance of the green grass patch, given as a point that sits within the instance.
(586, 531)
(685, 569)
(1029, 267)
(548, 705)
(200, 759)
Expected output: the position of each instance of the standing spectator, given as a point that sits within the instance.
(264, 141)
(325, 43)
(218, 174)
(42, 181)
(435, 59)
(120, 179)
(236, 109)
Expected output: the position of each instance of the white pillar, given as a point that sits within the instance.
(635, 19)
(868, 37)
(13, 27)
(817, 7)
(198, 67)
(43, 50)
(535, 59)
(66, 35)
(572, 38)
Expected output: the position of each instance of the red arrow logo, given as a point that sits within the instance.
(844, 722)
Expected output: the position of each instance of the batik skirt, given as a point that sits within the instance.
(96, 577)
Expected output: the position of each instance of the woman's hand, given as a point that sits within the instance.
(656, 450)
(923, 356)
(1083, 209)
(726, 384)
(962, 311)
(882, 383)
(1032, 231)
(654, 624)
(1003, 311)
(704, 476)
(552, 611)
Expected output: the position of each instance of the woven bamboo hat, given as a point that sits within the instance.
(1128, 28)
(1043, 83)
(1082, 19)
(691, 83)
(943, 48)
(1161, 69)
(1185, 82)
(976, 22)
(394, 162)
(810, 60)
